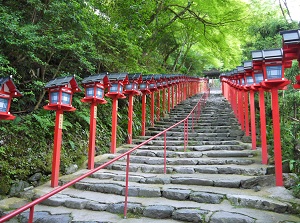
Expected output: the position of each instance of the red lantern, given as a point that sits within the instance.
(60, 93)
(8, 91)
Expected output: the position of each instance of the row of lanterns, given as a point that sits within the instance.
(264, 73)
(115, 86)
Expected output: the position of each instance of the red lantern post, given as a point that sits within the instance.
(257, 75)
(60, 99)
(144, 88)
(94, 86)
(241, 89)
(131, 89)
(152, 88)
(8, 91)
(159, 83)
(115, 92)
(273, 70)
(247, 88)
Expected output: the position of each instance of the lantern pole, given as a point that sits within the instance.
(158, 105)
(164, 101)
(144, 98)
(241, 109)
(114, 125)
(263, 129)
(169, 99)
(57, 147)
(130, 112)
(277, 137)
(152, 109)
(253, 125)
(173, 98)
(246, 113)
(92, 139)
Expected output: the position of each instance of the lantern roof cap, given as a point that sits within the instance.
(135, 77)
(240, 69)
(157, 76)
(291, 36)
(11, 86)
(118, 77)
(61, 81)
(148, 77)
(248, 64)
(96, 78)
(267, 54)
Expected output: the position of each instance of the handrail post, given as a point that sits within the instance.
(193, 121)
(184, 136)
(165, 152)
(126, 185)
(187, 132)
(31, 213)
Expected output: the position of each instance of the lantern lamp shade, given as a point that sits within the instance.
(90, 92)
(3, 104)
(249, 80)
(143, 86)
(65, 98)
(131, 86)
(116, 88)
(152, 85)
(259, 77)
(54, 97)
(291, 36)
(274, 72)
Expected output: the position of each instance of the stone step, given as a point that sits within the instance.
(192, 134)
(192, 165)
(92, 195)
(189, 154)
(203, 141)
(196, 128)
(174, 154)
(189, 149)
(212, 166)
(216, 180)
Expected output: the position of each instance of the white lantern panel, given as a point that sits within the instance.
(274, 72)
(3, 104)
(54, 97)
(66, 98)
(90, 92)
(259, 77)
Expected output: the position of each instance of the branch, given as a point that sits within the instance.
(294, 119)
(287, 8)
(44, 92)
(282, 11)
(177, 15)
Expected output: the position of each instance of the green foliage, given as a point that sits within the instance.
(42, 40)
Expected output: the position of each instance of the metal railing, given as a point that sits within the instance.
(194, 115)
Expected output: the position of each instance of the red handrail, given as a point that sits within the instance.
(60, 188)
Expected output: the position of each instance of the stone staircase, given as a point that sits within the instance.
(217, 179)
